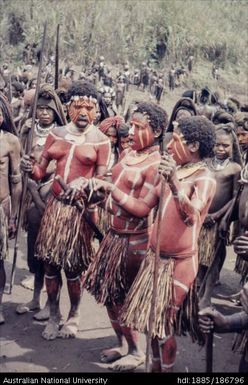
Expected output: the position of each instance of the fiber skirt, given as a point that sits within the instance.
(5, 208)
(206, 244)
(170, 316)
(106, 278)
(64, 238)
(241, 267)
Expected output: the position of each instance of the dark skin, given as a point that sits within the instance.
(210, 319)
(226, 189)
(241, 243)
(226, 179)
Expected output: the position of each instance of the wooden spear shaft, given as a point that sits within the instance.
(56, 80)
(155, 278)
(28, 152)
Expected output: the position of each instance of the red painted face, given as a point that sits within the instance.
(178, 148)
(82, 112)
(140, 133)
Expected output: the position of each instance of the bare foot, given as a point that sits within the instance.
(28, 282)
(2, 320)
(43, 314)
(128, 363)
(113, 354)
(51, 330)
(70, 328)
(26, 307)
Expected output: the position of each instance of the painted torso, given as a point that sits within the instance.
(136, 180)
(177, 239)
(76, 156)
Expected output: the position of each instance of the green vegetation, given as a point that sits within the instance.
(164, 30)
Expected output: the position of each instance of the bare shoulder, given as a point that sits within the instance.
(96, 136)
(59, 131)
(12, 139)
(206, 173)
(235, 167)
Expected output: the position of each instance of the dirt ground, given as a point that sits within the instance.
(22, 348)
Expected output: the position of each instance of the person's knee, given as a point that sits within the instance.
(71, 275)
(51, 271)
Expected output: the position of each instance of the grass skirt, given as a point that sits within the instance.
(167, 321)
(241, 342)
(206, 244)
(26, 207)
(3, 234)
(103, 220)
(241, 267)
(64, 238)
(106, 276)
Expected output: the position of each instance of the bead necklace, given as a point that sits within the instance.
(219, 164)
(188, 169)
(43, 131)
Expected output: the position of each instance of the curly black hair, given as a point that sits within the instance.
(123, 130)
(157, 115)
(199, 129)
(183, 103)
(18, 86)
(82, 88)
(228, 130)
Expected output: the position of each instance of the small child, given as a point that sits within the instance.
(226, 168)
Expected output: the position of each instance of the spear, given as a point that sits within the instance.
(56, 78)
(155, 273)
(28, 152)
(155, 279)
(10, 89)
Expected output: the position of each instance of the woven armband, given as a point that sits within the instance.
(15, 178)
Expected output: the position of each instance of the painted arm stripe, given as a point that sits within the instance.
(180, 284)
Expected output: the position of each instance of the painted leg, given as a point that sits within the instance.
(156, 364)
(168, 350)
(113, 354)
(53, 287)
(70, 327)
(2, 285)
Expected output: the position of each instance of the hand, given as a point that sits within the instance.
(100, 184)
(241, 246)
(167, 166)
(210, 319)
(244, 297)
(27, 163)
(12, 228)
(74, 190)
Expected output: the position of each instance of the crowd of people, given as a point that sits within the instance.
(159, 193)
